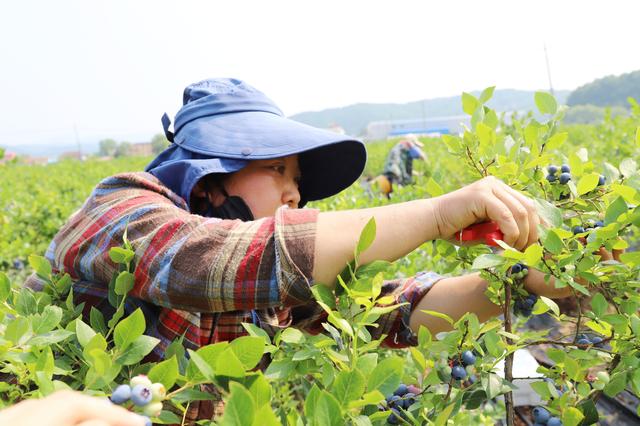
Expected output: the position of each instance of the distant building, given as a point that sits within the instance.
(423, 127)
(8, 156)
(71, 155)
(34, 161)
(143, 149)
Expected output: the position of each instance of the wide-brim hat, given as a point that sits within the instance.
(230, 123)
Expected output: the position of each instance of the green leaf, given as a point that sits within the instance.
(129, 329)
(84, 333)
(485, 261)
(266, 417)
(588, 183)
(599, 305)
(550, 213)
(137, 350)
(545, 102)
(628, 167)
(5, 287)
(367, 236)
(124, 283)
(229, 364)
(17, 329)
(486, 94)
(638, 137)
(40, 265)
(533, 254)
(589, 411)
(543, 388)
(50, 318)
(616, 385)
(50, 338)
(469, 103)
(551, 304)
(614, 210)
(571, 416)
(348, 386)
(240, 407)
(327, 411)
(433, 188)
(440, 315)
(387, 375)
(323, 294)
(292, 335)
(121, 255)
(203, 366)
(556, 140)
(249, 350)
(443, 417)
(260, 389)
(165, 372)
(492, 385)
(96, 319)
(553, 243)
(280, 369)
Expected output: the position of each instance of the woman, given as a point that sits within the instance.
(220, 237)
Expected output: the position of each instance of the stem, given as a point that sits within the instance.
(508, 362)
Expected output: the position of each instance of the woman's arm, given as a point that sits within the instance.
(402, 227)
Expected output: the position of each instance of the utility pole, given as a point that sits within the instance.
(546, 58)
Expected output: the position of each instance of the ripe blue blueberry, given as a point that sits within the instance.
(458, 372)
(577, 229)
(599, 224)
(565, 168)
(554, 421)
(583, 342)
(564, 178)
(393, 419)
(596, 340)
(408, 400)
(121, 394)
(552, 169)
(517, 268)
(402, 389)
(601, 180)
(541, 415)
(141, 395)
(468, 358)
(551, 178)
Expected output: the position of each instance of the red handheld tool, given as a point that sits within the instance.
(486, 231)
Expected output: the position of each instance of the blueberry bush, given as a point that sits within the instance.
(585, 182)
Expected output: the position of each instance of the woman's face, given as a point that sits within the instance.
(265, 185)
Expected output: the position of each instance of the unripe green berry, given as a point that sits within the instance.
(603, 376)
(140, 379)
(152, 409)
(158, 392)
(597, 385)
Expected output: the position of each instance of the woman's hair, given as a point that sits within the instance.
(213, 182)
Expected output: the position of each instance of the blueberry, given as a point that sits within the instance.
(458, 372)
(402, 389)
(18, 264)
(552, 169)
(599, 224)
(541, 415)
(414, 389)
(409, 399)
(565, 168)
(121, 394)
(528, 303)
(473, 379)
(601, 180)
(551, 178)
(468, 358)
(578, 230)
(515, 269)
(583, 342)
(564, 178)
(393, 419)
(554, 421)
(596, 340)
(141, 395)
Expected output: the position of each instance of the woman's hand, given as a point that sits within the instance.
(68, 408)
(484, 200)
(535, 283)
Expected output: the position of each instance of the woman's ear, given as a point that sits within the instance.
(198, 190)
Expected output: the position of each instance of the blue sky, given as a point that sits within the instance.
(111, 68)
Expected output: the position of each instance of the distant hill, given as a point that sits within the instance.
(354, 118)
(608, 91)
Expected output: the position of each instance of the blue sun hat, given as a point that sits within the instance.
(225, 123)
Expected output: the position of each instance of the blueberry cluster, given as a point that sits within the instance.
(460, 366)
(523, 306)
(401, 400)
(519, 271)
(565, 174)
(541, 416)
(142, 393)
(587, 226)
(586, 340)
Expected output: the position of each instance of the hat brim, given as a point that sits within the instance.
(330, 162)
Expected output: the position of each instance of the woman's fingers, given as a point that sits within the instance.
(519, 214)
(532, 213)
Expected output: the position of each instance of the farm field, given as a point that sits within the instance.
(343, 376)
